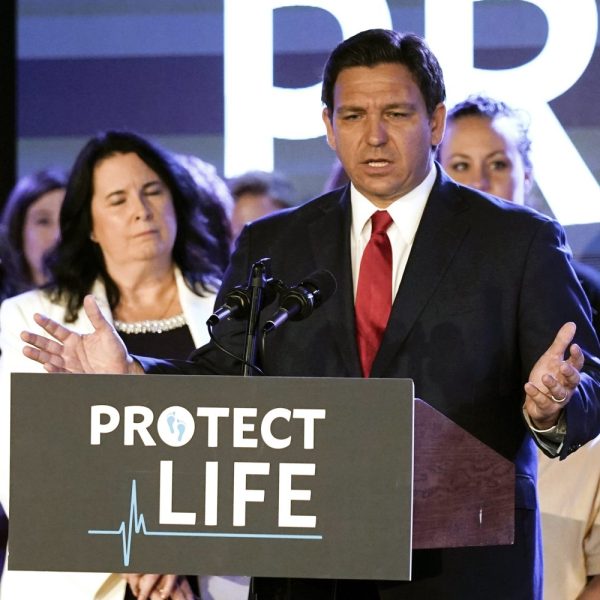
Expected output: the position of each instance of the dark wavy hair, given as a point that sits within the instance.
(27, 191)
(217, 204)
(478, 105)
(77, 262)
(10, 281)
(377, 46)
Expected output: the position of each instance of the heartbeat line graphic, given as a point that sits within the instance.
(137, 524)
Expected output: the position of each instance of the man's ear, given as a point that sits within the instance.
(529, 179)
(326, 115)
(438, 124)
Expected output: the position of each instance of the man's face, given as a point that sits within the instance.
(381, 131)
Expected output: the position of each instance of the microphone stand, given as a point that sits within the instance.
(260, 277)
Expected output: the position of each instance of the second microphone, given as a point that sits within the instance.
(299, 302)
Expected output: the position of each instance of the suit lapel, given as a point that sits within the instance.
(438, 237)
(329, 236)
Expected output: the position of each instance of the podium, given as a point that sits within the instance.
(464, 492)
(271, 477)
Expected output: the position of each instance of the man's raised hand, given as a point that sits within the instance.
(66, 351)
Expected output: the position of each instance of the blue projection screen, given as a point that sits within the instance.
(236, 82)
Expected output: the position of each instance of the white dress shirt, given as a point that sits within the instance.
(406, 213)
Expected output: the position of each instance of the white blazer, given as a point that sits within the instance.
(16, 315)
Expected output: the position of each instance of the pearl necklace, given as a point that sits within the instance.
(156, 326)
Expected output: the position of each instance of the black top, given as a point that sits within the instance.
(177, 343)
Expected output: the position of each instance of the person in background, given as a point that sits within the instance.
(31, 221)
(486, 146)
(133, 234)
(8, 288)
(217, 202)
(29, 229)
(257, 194)
(435, 281)
(337, 177)
(10, 281)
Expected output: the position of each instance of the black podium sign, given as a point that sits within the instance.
(283, 477)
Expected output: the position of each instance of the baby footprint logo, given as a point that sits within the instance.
(171, 421)
(174, 423)
(176, 426)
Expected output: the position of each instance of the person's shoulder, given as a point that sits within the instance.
(594, 446)
(490, 207)
(186, 286)
(30, 299)
(589, 277)
(17, 312)
(305, 212)
(326, 201)
(23, 306)
(199, 293)
(587, 272)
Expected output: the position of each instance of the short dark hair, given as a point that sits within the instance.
(77, 261)
(479, 105)
(27, 190)
(376, 46)
(272, 184)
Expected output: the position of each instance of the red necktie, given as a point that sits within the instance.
(374, 292)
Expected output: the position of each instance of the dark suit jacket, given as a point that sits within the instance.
(486, 287)
(589, 278)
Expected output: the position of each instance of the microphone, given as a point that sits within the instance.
(299, 302)
(238, 301)
(236, 305)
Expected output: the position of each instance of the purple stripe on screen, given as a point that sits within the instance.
(183, 95)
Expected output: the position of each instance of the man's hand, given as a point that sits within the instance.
(102, 351)
(159, 587)
(553, 379)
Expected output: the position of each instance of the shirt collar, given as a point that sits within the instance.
(406, 211)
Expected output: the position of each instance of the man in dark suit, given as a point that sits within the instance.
(479, 286)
